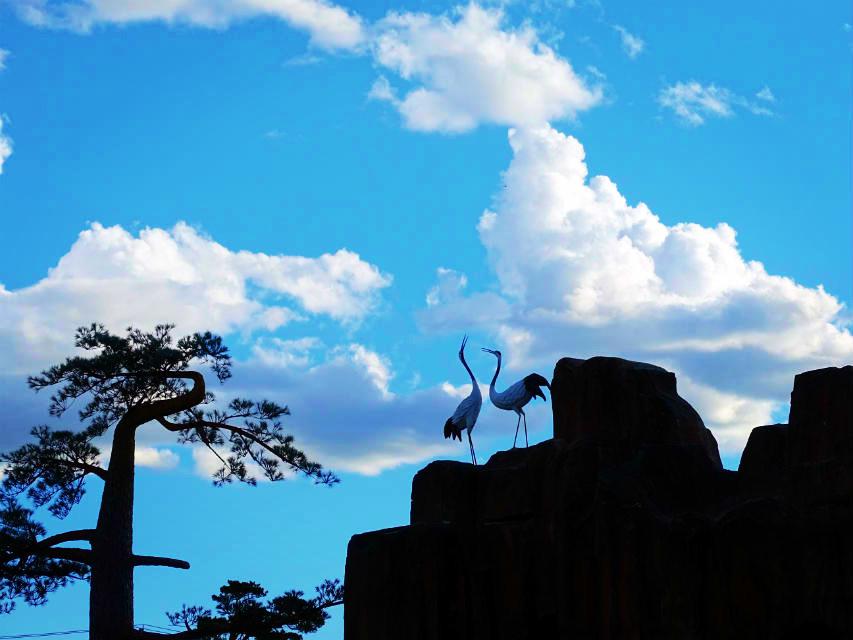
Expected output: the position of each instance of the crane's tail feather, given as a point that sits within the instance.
(533, 384)
(452, 431)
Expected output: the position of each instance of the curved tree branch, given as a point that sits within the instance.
(172, 426)
(83, 466)
(158, 561)
(161, 408)
(43, 548)
(67, 536)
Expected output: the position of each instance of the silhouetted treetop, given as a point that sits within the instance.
(123, 383)
(125, 373)
(242, 613)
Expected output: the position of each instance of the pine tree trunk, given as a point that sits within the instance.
(111, 591)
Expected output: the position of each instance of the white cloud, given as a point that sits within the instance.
(693, 102)
(5, 140)
(306, 59)
(469, 68)
(596, 72)
(766, 94)
(206, 462)
(449, 307)
(381, 89)
(450, 284)
(155, 458)
(377, 368)
(732, 415)
(329, 25)
(112, 276)
(5, 145)
(275, 352)
(463, 390)
(631, 44)
(145, 456)
(581, 272)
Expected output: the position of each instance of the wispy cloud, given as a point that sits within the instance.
(766, 94)
(382, 90)
(632, 45)
(5, 146)
(5, 140)
(329, 26)
(306, 59)
(693, 102)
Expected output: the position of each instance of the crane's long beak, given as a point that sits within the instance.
(494, 353)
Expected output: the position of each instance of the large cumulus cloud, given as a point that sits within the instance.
(583, 272)
(179, 275)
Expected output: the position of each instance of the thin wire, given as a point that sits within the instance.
(49, 634)
(45, 635)
(154, 626)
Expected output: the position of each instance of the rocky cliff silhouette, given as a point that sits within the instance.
(625, 525)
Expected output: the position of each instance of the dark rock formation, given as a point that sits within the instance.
(625, 525)
(627, 404)
(764, 463)
(810, 459)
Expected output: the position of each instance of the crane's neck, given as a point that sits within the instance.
(494, 379)
(475, 389)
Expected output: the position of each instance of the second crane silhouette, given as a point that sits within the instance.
(517, 395)
(465, 416)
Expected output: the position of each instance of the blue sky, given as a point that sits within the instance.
(336, 191)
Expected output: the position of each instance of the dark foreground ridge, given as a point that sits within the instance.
(625, 525)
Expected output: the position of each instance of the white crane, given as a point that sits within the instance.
(514, 397)
(465, 416)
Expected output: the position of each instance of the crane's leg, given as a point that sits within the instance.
(471, 444)
(526, 444)
(517, 424)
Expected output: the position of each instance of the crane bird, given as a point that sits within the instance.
(465, 416)
(517, 395)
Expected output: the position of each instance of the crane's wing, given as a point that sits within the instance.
(514, 396)
(533, 384)
(469, 407)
